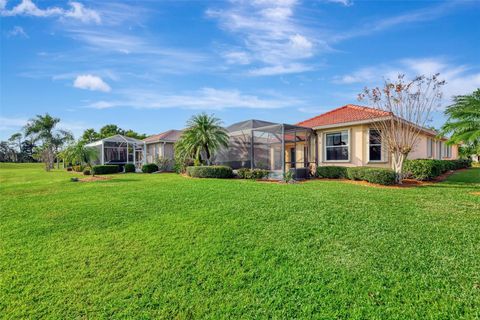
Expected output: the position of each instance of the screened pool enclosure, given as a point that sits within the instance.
(119, 150)
(272, 146)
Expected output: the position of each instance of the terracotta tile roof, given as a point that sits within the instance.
(170, 135)
(345, 114)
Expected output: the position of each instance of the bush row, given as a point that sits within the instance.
(210, 172)
(246, 173)
(149, 168)
(129, 167)
(105, 169)
(374, 175)
(427, 169)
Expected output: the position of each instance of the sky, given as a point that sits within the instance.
(150, 65)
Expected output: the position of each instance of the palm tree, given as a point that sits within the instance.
(202, 138)
(42, 129)
(77, 153)
(464, 120)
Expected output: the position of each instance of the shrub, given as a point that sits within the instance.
(289, 176)
(356, 173)
(221, 172)
(332, 172)
(78, 168)
(164, 164)
(149, 168)
(69, 168)
(87, 172)
(246, 173)
(129, 167)
(74, 179)
(105, 169)
(382, 176)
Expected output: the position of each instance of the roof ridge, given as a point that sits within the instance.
(323, 114)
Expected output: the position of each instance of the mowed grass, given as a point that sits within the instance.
(164, 246)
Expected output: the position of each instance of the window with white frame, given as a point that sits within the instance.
(374, 145)
(448, 151)
(429, 147)
(336, 146)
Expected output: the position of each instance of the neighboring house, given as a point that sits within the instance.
(161, 145)
(346, 136)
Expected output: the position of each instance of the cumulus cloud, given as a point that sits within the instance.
(91, 82)
(77, 11)
(269, 33)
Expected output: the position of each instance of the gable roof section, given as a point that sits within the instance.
(345, 114)
(168, 136)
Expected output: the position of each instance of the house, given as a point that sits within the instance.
(346, 136)
(161, 145)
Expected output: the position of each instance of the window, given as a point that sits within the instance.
(374, 145)
(336, 146)
(448, 151)
(440, 150)
(429, 148)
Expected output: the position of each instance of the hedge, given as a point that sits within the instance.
(149, 168)
(87, 172)
(129, 167)
(105, 169)
(332, 172)
(221, 172)
(427, 169)
(246, 173)
(382, 176)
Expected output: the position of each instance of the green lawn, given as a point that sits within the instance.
(165, 246)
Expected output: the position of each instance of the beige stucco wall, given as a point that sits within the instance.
(155, 150)
(359, 151)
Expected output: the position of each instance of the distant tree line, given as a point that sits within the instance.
(42, 140)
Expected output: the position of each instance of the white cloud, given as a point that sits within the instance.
(90, 82)
(79, 12)
(346, 3)
(269, 35)
(17, 31)
(280, 69)
(237, 57)
(7, 123)
(459, 79)
(204, 99)
(29, 8)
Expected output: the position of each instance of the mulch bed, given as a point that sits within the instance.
(94, 178)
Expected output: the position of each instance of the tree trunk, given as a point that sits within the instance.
(207, 153)
(398, 159)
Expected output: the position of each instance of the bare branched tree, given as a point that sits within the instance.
(410, 105)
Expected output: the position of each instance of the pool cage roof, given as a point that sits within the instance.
(116, 139)
(276, 147)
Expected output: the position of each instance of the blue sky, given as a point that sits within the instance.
(150, 65)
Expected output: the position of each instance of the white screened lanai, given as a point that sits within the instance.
(119, 150)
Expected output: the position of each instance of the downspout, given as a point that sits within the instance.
(283, 149)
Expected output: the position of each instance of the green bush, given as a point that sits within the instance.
(87, 172)
(356, 173)
(149, 168)
(221, 172)
(246, 173)
(382, 176)
(427, 169)
(332, 172)
(129, 167)
(69, 169)
(105, 169)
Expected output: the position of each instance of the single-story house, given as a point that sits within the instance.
(344, 136)
(161, 145)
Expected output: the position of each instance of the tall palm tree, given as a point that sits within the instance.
(42, 129)
(464, 118)
(203, 137)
